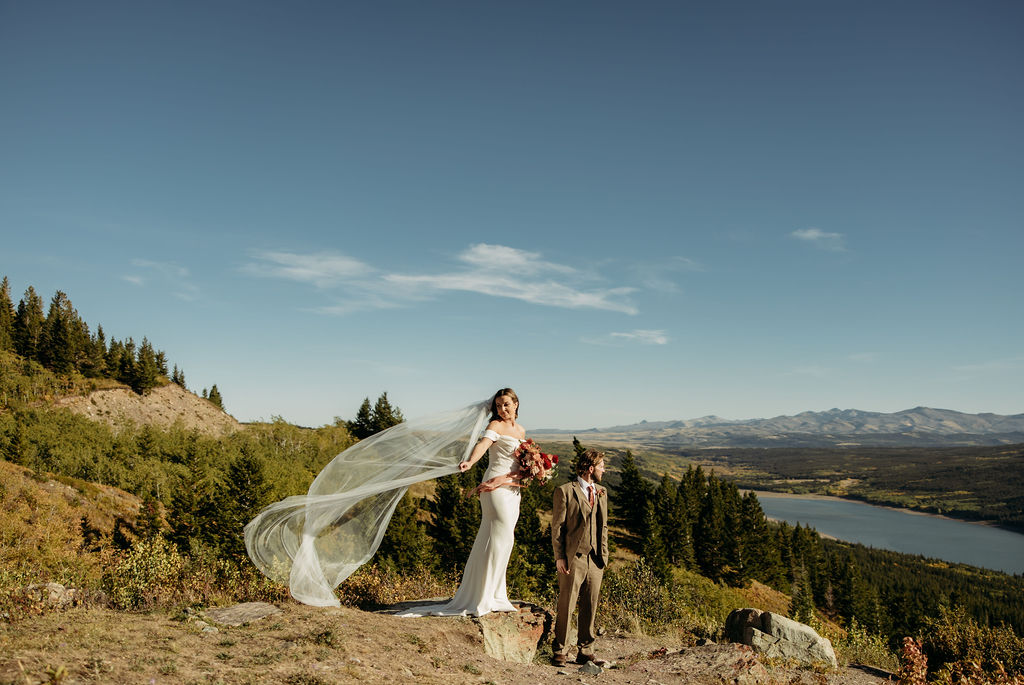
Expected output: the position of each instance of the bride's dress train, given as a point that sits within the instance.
(482, 589)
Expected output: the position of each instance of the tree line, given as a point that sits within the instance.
(61, 342)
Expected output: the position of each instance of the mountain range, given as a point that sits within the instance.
(835, 427)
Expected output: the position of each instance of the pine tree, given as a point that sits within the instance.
(195, 516)
(632, 494)
(94, 362)
(126, 364)
(801, 603)
(709, 532)
(681, 540)
(59, 342)
(215, 398)
(161, 363)
(673, 533)
(384, 415)
(247, 490)
(758, 542)
(112, 359)
(652, 544)
(735, 571)
(406, 546)
(362, 426)
(455, 518)
(178, 376)
(531, 569)
(145, 374)
(28, 325)
(6, 316)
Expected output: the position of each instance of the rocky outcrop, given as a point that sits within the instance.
(515, 637)
(777, 636)
(51, 595)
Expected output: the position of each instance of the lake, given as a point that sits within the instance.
(901, 531)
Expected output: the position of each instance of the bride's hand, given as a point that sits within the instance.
(491, 484)
(464, 466)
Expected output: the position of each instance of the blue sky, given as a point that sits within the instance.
(625, 211)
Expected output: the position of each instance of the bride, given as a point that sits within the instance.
(315, 541)
(482, 589)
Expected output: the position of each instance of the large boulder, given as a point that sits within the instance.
(777, 636)
(515, 636)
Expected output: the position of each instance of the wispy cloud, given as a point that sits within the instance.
(323, 269)
(660, 276)
(832, 242)
(862, 357)
(494, 270)
(638, 336)
(175, 278)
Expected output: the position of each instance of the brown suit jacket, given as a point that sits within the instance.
(569, 525)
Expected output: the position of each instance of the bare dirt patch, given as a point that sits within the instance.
(164, 406)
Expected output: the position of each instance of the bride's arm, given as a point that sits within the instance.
(477, 454)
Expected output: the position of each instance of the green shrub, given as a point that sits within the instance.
(146, 575)
(374, 586)
(635, 600)
(858, 646)
(954, 640)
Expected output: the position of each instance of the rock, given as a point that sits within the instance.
(777, 636)
(590, 668)
(739, 620)
(52, 595)
(788, 630)
(240, 614)
(515, 637)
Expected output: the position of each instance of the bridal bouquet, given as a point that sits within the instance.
(534, 464)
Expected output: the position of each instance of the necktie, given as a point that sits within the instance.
(590, 491)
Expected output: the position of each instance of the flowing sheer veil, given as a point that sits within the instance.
(314, 541)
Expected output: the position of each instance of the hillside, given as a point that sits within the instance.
(161, 407)
(45, 540)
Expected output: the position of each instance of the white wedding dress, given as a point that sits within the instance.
(482, 589)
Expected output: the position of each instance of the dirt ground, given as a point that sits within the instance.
(313, 646)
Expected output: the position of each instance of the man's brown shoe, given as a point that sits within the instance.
(558, 660)
(583, 658)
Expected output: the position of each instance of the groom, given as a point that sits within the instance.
(579, 535)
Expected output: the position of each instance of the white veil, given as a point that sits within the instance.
(314, 541)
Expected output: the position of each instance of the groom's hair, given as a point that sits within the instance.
(587, 459)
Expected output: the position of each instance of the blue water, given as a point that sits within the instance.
(931, 536)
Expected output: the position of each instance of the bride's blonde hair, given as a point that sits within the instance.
(504, 392)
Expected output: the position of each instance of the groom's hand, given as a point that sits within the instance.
(563, 566)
